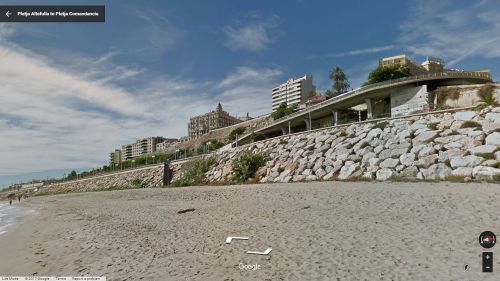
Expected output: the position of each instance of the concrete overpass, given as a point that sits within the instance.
(330, 110)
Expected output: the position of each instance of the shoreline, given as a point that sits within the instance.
(318, 231)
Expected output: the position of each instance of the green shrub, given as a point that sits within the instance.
(236, 131)
(470, 124)
(194, 172)
(432, 126)
(485, 93)
(381, 125)
(257, 137)
(138, 183)
(246, 165)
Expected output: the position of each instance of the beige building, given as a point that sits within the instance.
(430, 65)
(292, 92)
(165, 144)
(215, 119)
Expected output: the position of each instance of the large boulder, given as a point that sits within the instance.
(462, 172)
(486, 151)
(493, 139)
(492, 117)
(486, 173)
(425, 137)
(384, 174)
(407, 159)
(465, 115)
(437, 171)
(389, 163)
(348, 169)
(466, 161)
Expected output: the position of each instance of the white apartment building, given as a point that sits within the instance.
(292, 92)
(140, 147)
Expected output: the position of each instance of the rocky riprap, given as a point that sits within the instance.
(460, 145)
(147, 177)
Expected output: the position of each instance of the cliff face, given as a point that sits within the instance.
(459, 146)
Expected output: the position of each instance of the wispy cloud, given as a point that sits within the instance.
(357, 52)
(452, 31)
(254, 35)
(55, 118)
(157, 35)
(366, 51)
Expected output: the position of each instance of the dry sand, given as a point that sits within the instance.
(318, 231)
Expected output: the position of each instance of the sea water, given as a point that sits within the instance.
(9, 215)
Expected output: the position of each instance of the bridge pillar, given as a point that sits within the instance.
(284, 130)
(335, 117)
(369, 108)
(308, 124)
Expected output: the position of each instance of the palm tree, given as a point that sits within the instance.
(340, 81)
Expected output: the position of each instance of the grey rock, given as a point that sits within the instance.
(493, 139)
(347, 170)
(437, 171)
(389, 163)
(462, 172)
(407, 159)
(425, 137)
(426, 161)
(483, 150)
(492, 117)
(384, 174)
(466, 161)
(486, 173)
(465, 115)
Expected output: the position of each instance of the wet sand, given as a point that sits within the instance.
(318, 231)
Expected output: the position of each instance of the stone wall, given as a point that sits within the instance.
(462, 145)
(467, 95)
(151, 176)
(459, 146)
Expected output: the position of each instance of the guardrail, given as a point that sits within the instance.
(465, 74)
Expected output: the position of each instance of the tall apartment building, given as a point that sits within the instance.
(218, 118)
(292, 92)
(115, 157)
(430, 65)
(140, 147)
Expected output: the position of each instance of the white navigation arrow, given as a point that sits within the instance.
(8, 14)
(229, 239)
(265, 253)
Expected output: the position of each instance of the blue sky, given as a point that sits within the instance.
(73, 92)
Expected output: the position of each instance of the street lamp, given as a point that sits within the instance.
(208, 146)
(133, 163)
(153, 156)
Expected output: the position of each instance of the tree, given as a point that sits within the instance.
(329, 93)
(236, 131)
(340, 81)
(71, 175)
(384, 73)
(283, 110)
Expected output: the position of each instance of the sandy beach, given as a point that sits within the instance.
(318, 231)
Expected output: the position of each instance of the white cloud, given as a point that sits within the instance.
(58, 117)
(249, 90)
(366, 51)
(254, 36)
(451, 31)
